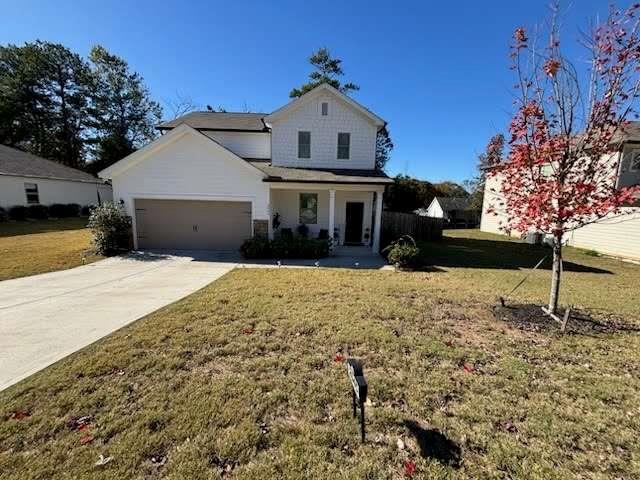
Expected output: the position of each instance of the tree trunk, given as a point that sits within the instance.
(555, 274)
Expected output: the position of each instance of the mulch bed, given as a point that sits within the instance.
(530, 317)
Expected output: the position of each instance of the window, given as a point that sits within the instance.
(309, 208)
(324, 108)
(31, 189)
(344, 139)
(635, 161)
(304, 144)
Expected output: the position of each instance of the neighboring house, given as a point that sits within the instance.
(27, 179)
(617, 235)
(214, 179)
(454, 210)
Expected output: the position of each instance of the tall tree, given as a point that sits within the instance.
(123, 116)
(43, 100)
(561, 170)
(407, 194)
(493, 154)
(329, 70)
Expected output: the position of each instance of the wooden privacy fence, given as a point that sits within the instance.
(396, 224)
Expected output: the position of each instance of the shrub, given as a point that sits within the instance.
(403, 253)
(302, 230)
(73, 210)
(58, 210)
(285, 247)
(111, 229)
(18, 212)
(256, 247)
(86, 210)
(4, 216)
(38, 212)
(62, 210)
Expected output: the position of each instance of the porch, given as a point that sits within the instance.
(350, 214)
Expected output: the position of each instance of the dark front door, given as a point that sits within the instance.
(353, 227)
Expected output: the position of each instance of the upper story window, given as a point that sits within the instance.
(324, 109)
(304, 144)
(344, 141)
(31, 190)
(635, 161)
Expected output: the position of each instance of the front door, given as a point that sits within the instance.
(353, 220)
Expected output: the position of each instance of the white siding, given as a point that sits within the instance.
(490, 222)
(244, 144)
(619, 236)
(193, 167)
(51, 191)
(324, 136)
(286, 202)
(435, 210)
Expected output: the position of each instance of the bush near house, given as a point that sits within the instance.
(61, 210)
(18, 212)
(38, 212)
(285, 247)
(403, 253)
(111, 229)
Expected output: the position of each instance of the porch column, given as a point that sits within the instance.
(377, 224)
(332, 214)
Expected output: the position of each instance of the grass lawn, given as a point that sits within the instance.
(31, 247)
(240, 380)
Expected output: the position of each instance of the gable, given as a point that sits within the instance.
(330, 93)
(186, 145)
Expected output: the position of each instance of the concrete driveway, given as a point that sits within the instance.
(46, 317)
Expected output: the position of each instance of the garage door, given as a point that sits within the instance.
(192, 225)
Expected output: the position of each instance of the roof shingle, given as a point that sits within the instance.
(228, 121)
(316, 175)
(18, 163)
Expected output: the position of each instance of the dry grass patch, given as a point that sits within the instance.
(239, 381)
(32, 247)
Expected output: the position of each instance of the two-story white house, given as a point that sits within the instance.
(214, 179)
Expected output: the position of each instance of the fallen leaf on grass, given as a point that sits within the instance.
(247, 331)
(507, 426)
(86, 439)
(409, 468)
(79, 423)
(400, 444)
(338, 357)
(19, 415)
(102, 460)
(467, 367)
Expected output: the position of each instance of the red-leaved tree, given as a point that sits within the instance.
(566, 135)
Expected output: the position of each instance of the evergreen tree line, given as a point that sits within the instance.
(86, 113)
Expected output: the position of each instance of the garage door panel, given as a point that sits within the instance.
(190, 224)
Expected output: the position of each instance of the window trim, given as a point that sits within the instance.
(34, 191)
(347, 146)
(299, 144)
(300, 194)
(634, 152)
(324, 113)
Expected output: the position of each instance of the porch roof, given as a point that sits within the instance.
(320, 175)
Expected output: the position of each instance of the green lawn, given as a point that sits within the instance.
(240, 380)
(31, 247)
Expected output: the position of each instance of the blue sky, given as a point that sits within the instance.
(436, 71)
